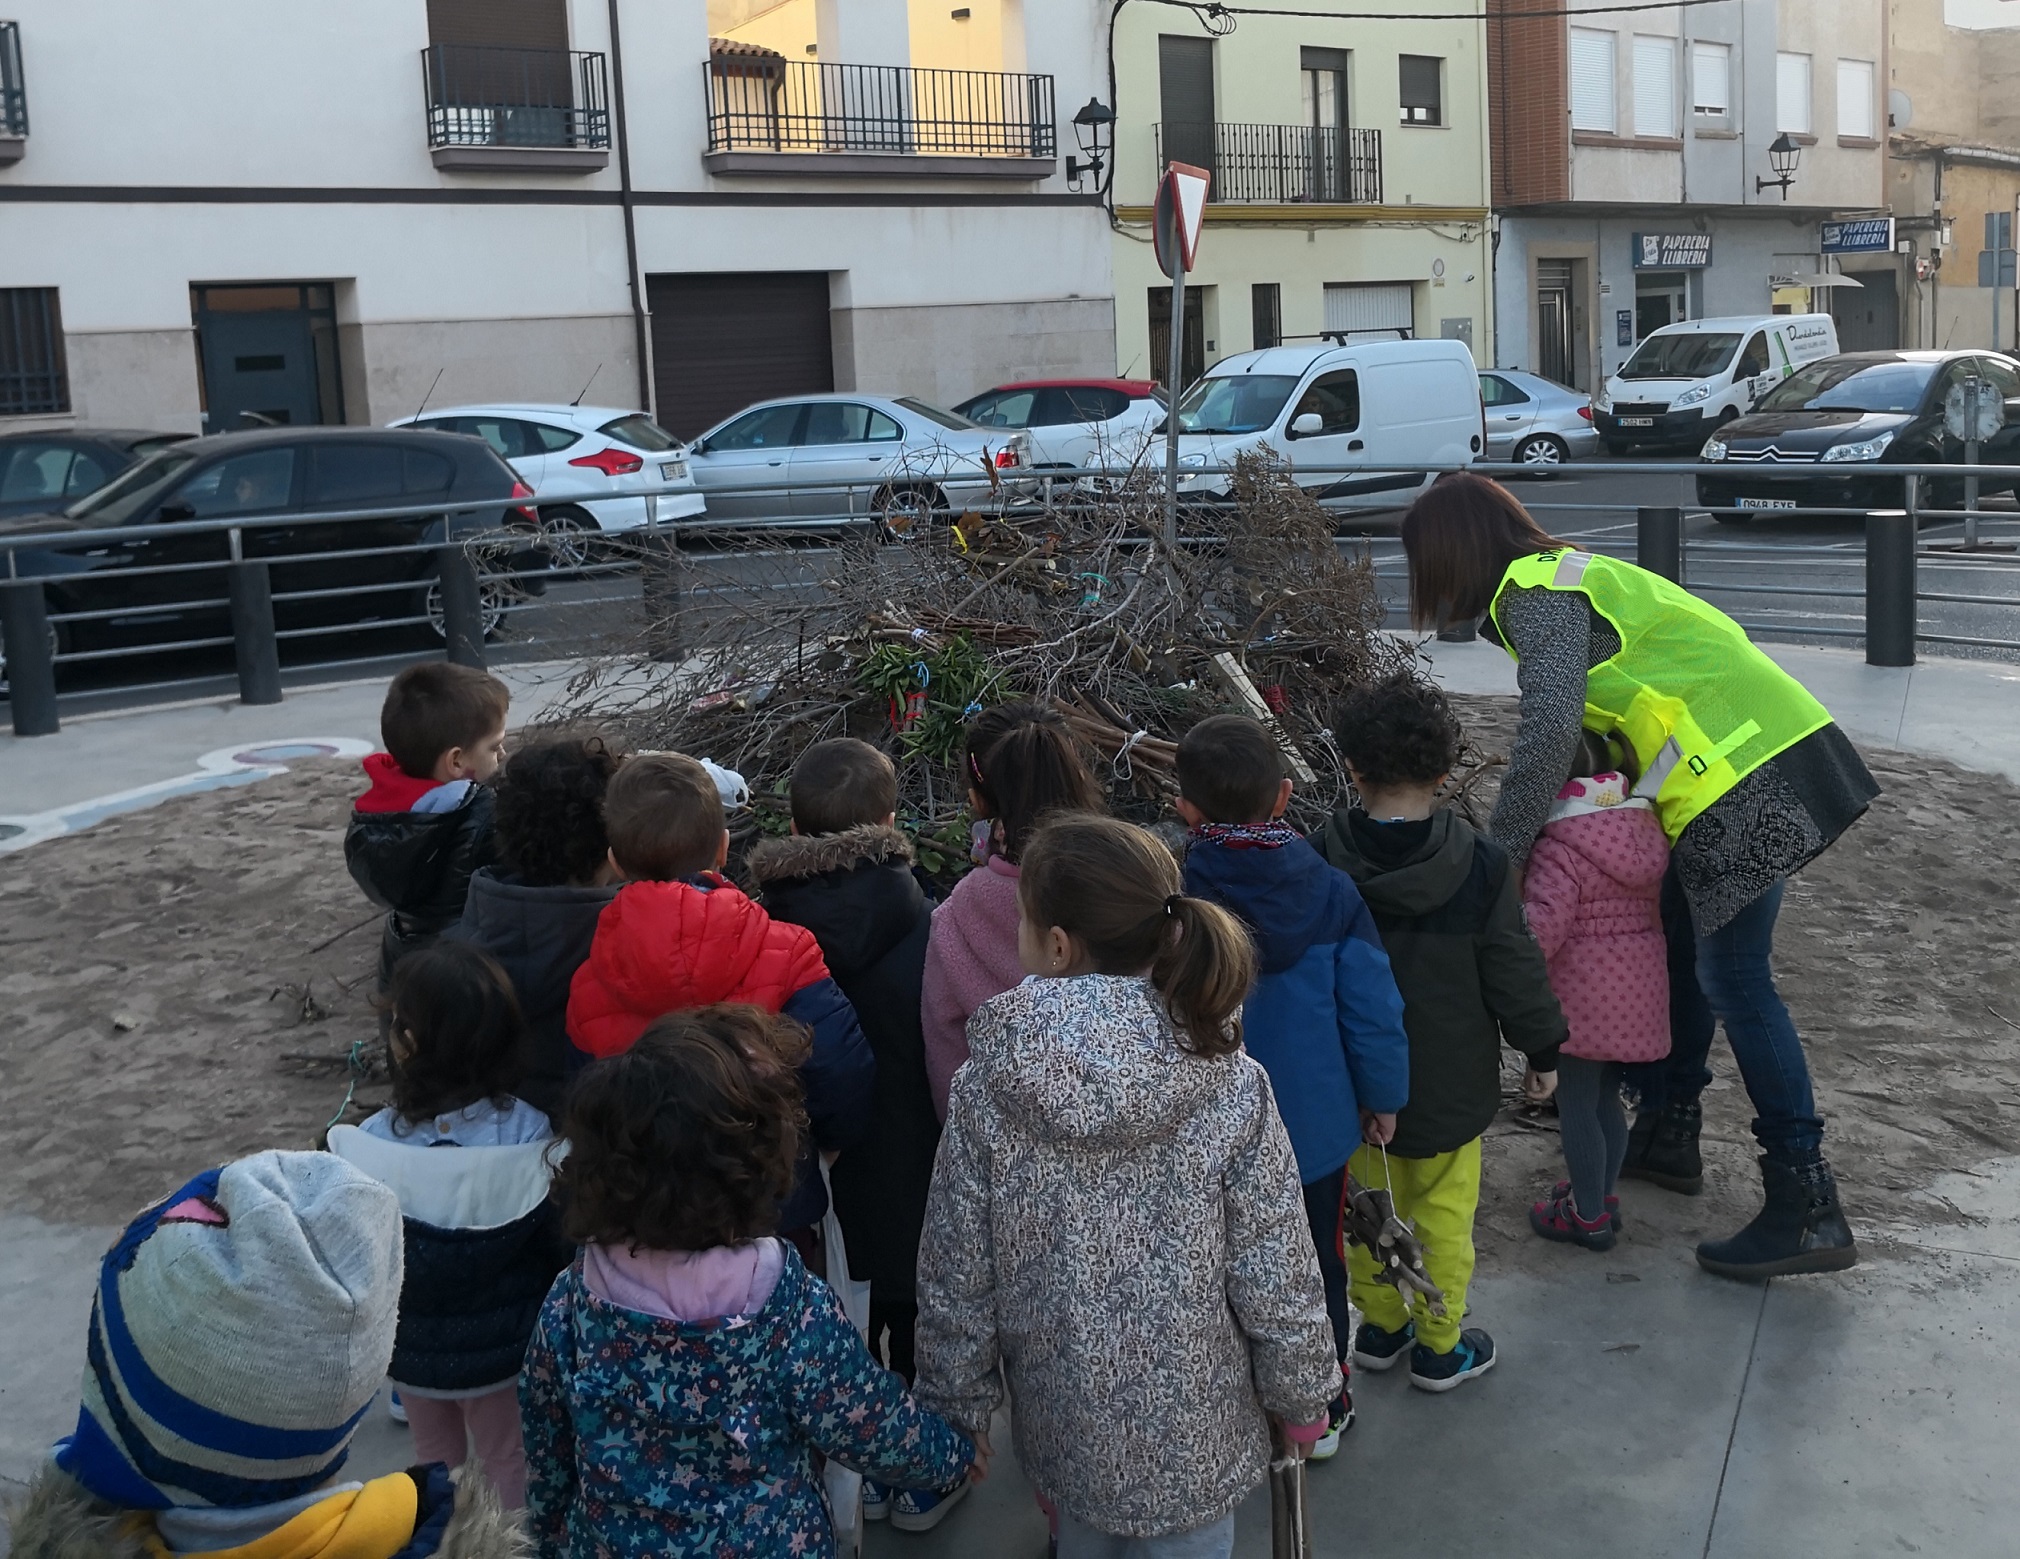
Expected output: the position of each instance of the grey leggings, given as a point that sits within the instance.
(1594, 1128)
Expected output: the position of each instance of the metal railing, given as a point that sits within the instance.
(13, 88)
(465, 578)
(1279, 164)
(479, 95)
(768, 103)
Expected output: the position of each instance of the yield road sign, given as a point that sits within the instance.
(1176, 218)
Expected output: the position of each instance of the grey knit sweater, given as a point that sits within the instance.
(1772, 823)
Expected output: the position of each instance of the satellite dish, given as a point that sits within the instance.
(1900, 109)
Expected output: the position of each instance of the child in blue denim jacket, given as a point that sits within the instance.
(686, 1368)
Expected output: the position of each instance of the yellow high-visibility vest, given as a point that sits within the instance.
(1695, 698)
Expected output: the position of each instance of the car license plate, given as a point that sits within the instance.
(672, 470)
(1637, 422)
(1764, 503)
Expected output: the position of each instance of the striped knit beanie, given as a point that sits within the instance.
(240, 1329)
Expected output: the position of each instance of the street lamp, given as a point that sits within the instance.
(1094, 129)
(1783, 156)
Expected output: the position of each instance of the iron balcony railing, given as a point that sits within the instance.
(13, 94)
(772, 104)
(1280, 164)
(484, 96)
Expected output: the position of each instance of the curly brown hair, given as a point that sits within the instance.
(1399, 731)
(690, 1139)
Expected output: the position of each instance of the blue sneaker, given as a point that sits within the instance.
(1472, 1355)
(876, 1500)
(395, 1408)
(920, 1510)
(1376, 1348)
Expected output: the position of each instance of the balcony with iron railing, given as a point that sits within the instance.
(1280, 164)
(516, 110)
(13, 96)
(771, 115)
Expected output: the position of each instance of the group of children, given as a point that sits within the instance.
(1087, 1126)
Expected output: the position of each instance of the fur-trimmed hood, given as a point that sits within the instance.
(58, 1519)
(810, 855)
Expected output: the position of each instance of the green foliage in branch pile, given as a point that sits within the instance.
(958, 681)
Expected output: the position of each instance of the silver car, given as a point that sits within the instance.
(814, 460)
(1535, 420)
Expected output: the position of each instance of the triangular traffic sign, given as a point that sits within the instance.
(1189, 186)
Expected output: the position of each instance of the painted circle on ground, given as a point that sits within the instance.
(284, 752)
(11, 830)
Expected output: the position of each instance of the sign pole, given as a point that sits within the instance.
(1174, 370)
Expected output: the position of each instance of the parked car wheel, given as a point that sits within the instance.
(494, 596)
(1615, 448)
(569, 533)
(906, 507)
(1542, 449)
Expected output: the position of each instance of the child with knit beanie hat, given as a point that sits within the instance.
(240, 1329)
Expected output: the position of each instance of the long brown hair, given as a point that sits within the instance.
(1116, 888)
(1024, 762)
(1460, 536)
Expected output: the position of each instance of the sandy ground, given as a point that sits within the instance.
(183, 985)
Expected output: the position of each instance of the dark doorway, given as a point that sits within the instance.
(1193, 351)
(1553, 320)
(267, 355)
(1185, 99)
(1868, 316)
(723, 340)
(1660, 298)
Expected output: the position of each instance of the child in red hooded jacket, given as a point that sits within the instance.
(679, 936)
(1593, 900)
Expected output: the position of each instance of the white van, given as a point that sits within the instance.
(1337, 414)
(1685, 379)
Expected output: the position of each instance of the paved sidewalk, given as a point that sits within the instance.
(1641, 1407)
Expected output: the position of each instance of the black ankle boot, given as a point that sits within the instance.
(1800, 1229)
(1662, 1149)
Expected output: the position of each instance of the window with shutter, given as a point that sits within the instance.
(1185, 99)
(1711, 79)
(1655, 87)
(1592, 80)
(1792, 93)
(1420, 84)
(1855, 99)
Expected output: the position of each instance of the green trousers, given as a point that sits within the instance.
(1439, 1195)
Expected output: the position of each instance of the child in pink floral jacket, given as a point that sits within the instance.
(1593, 900)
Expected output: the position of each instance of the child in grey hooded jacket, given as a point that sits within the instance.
(1116, 1218)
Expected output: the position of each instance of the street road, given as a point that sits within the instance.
(1747, 570)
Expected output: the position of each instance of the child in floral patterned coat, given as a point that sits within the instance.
(687, 1368)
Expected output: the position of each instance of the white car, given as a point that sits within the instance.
(1081, 423)
(814, 461)
(592, 468)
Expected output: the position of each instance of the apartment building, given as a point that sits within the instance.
(326, 214)
(1954, 149)
(1349, 193)
(1660, 165)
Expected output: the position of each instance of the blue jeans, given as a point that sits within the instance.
(1727, 976)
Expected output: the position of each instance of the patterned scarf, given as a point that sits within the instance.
(1248, 836)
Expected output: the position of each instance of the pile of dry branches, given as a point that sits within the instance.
(899, 638)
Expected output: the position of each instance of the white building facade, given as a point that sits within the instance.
(326, 215)
(1635, 166)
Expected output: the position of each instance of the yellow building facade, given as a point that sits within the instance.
(1350, 188)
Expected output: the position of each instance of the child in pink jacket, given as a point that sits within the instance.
(1593, 899)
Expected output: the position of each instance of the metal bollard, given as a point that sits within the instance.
(252, 634)
(462, 607)
(1890, 588)
(1658, 542)
(31, 661)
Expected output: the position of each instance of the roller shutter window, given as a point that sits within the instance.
(723, 341)
(1855, 99)
(1185, 99)
(1655, 87)
(1711, 79)
(1370, 308)
(1792, 93)
(507, 24)
(1592, 80)
(1420, 87)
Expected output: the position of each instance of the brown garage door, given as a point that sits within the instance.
(722, 341)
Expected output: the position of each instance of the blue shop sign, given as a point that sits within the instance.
(1671, 251)
(1864, 235)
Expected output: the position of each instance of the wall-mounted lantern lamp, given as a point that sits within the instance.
(1094, 128)
(1783, 156)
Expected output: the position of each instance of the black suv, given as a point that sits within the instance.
(286, 485)
(1823, 436)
